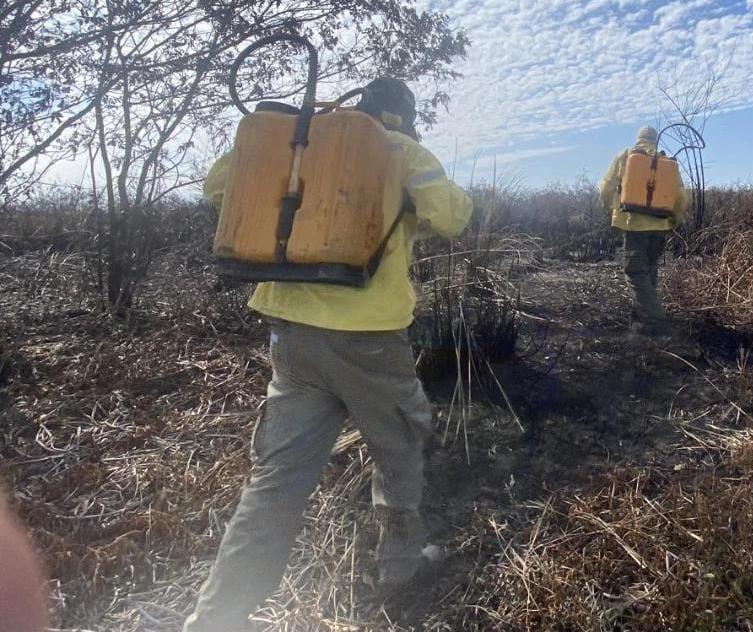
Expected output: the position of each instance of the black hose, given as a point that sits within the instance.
(692, 129)
(695, 167)
(310, 95)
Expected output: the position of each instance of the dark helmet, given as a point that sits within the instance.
(387, 94)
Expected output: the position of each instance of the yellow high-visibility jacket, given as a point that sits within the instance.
(638, 222)
(388, 300)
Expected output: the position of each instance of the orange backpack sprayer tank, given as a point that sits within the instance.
(304, 196)
(651, 180)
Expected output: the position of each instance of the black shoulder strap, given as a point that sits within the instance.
(376, 258)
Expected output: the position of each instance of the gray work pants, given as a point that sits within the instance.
(320, 378)
(642, 253)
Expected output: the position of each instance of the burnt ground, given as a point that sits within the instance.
(591, 400)
(124, 443)
(589, 396)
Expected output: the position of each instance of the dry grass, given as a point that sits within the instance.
(718, 287)
(329, 580)
(125, 443)
(651, 550)
(713, 281)
(466, 318)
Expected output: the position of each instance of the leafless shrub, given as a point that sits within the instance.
(694, 97)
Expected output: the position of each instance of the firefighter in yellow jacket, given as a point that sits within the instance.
(339, 352)
(645, 236)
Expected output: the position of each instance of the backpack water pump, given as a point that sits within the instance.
(305, 195)
(650, 181)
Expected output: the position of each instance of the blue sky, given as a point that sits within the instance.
(555, 88)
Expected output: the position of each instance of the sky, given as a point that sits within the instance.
(554, 88)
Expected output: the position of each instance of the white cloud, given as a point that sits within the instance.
(541, 67)
(482, 163)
